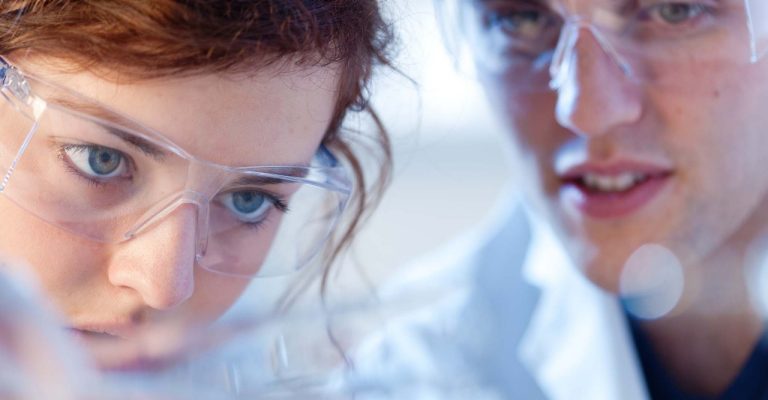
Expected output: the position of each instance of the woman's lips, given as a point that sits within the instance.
(612, 191)
(112, 350)
(85, 335)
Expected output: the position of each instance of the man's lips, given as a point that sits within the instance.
(614, 168)
(613, 190)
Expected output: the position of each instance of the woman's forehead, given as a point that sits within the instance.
(275, 116)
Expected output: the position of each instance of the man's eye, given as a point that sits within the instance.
(97, 161)
(677, 13)
(523, 24)
(248, 205)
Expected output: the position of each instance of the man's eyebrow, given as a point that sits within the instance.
(527, 2)
(628, 6)
(140, 143)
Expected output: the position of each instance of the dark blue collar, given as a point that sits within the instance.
(750, 383)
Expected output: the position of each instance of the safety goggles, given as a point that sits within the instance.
(89, 170)
(659, 42)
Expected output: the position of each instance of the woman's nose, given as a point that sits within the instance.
(159, 263)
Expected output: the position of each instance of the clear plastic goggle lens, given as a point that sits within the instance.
(658, 43)
(757, 16)
(110, 182)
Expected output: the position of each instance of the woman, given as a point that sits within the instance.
(158, 155)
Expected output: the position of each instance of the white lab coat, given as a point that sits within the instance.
(522, 321)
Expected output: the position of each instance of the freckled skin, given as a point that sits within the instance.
(269, 118)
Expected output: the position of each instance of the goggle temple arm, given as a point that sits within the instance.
(15, 90)
(757, 23)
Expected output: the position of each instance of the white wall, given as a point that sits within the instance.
(449, 161)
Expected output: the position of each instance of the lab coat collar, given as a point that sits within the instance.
(577, 344)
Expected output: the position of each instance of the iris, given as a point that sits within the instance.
(247, 202)
(104, 161)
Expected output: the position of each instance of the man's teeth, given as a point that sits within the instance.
(612, 183)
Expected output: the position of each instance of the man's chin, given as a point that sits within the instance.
(631, 269)
(603, 268)
(605, 277)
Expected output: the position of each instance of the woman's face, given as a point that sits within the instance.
(105, 291)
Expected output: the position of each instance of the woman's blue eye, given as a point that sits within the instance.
(104, 161)
(249, 205)
(97, 161)
(247, 202)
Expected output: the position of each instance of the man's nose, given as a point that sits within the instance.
(594, 92)
(159, 263)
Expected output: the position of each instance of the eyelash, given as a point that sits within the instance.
(62, 156)
(492, 17)
(704, 9)
(494, 14)
(278, 202)
(255, 226)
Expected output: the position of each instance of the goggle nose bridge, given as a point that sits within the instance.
(562, 58)
(167, 206)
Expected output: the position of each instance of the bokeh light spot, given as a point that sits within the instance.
(652, 282)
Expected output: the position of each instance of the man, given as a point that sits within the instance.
(637, 131)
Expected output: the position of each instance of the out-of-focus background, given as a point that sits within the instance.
(449, 170)
(449, 155)
(450, 166)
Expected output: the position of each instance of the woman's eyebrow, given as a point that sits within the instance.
(257, 180)
(145, 146)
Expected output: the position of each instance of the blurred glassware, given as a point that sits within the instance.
(296, 354)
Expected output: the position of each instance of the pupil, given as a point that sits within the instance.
(247, 202)
(676, 12)
(530, 16)
(104, 161)
(517, 20)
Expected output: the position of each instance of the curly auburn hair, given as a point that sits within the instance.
(162, 38)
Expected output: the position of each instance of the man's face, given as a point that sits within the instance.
(674, 157)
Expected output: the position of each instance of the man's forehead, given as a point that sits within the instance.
(570, 4)
(615, 4)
